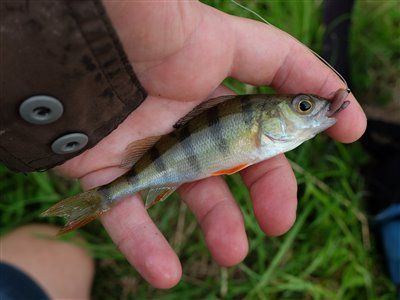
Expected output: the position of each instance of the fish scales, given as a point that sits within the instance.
(219, 137)
(182, 154)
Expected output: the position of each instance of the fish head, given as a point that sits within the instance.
(300, 117)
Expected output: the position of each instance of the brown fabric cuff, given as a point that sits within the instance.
(67, 51)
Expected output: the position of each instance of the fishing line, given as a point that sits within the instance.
(312, 51)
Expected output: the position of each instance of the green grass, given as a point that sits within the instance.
(375, 51)
(328, 254)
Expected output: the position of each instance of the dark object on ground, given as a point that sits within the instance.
(388, 223)
(336, 18)
(381, 140)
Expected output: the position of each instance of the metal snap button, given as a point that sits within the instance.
(69, 143)
(41, 109)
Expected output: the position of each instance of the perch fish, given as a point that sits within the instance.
(221, 136)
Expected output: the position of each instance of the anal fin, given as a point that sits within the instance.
(156, 195)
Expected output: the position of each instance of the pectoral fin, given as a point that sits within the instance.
(156, 195)
(274, 131)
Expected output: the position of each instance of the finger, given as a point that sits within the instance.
(269, 56)
(155, 116)
(220, 218)
(221, 90)
(146, 249)
(273, 191)
(137, 237)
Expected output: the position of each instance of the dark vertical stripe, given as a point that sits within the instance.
(247, 110)
(157, 159)
(188, 149)
(131, 176)
(104, 191)
(214, 123)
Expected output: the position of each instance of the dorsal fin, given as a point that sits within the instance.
(136, 149)
(200, 108)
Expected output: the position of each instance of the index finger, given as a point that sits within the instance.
(265, 55)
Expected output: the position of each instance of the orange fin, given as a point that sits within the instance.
(156, 195)
(81, 223)
(77, 210)
(135, 150)
(230, 171)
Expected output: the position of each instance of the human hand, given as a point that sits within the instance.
(181, 52)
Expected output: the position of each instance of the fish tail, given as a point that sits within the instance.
(78, 210)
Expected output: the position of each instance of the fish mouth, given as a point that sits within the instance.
(338, 103)
(328, 112)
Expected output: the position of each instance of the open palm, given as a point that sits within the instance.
(181, 52)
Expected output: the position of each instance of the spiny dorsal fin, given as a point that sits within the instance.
(136, 149)
(200, 108)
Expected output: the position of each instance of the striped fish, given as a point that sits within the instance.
(221, 136)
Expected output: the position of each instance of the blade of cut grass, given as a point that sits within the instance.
(288, 241)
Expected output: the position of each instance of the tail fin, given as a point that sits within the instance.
(77, 210)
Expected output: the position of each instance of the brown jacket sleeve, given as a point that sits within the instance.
(65, 81)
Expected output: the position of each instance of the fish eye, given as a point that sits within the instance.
(303, 104)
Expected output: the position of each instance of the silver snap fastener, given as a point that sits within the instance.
(41, 109)
(69, 143)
